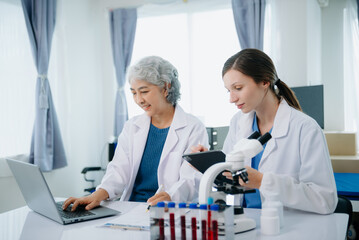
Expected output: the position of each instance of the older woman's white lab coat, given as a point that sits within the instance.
(180, 180)
(295, 163)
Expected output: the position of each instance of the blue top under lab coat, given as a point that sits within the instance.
(253, 200)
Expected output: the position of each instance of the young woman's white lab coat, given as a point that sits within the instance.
(180, 180)
(295, 163)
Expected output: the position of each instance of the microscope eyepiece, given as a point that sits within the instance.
(265, 138)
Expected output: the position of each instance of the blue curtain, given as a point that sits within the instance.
(47, 150)
(123, 28)
(249, 21)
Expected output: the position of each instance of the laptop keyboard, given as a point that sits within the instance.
(79, 212)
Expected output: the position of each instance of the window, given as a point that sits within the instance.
(197, 44)
(351, 72)
(17, 81)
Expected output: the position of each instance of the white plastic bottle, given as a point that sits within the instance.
(270, 221)
(271, 200)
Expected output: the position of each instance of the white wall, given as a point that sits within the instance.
(333, 66)
(11, 197)
(296, 41)
(86, 76)
(314, 43)
(308, 50)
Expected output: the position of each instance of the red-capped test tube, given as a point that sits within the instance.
(171, 211)
(203, 218)
(182, 211)
(214, 210)
(194, 216)
(161, 220)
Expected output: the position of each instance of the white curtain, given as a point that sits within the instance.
(351, 70)
(16, 92)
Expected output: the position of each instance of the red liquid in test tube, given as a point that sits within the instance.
(209, 225)
(182, 211)
(172, 225)
(194, 228)
(161, 221)
(194, 216)
(215, 229)
(214, 209)
(171, 209)
(204, 230)
(203, 217)
(183, 228)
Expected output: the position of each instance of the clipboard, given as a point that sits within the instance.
(203, 160)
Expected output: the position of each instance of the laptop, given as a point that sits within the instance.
(39, 198)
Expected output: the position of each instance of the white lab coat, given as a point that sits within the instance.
(180, 180)
(295, 163)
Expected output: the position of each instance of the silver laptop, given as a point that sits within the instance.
(39, 198)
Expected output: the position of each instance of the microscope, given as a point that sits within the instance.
(213, 179)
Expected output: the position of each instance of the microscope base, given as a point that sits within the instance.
(243, 224)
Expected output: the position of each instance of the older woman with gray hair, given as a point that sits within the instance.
(150, 148)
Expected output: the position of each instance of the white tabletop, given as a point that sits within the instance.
(23, 223)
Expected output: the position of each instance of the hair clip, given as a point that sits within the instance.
(276, 82)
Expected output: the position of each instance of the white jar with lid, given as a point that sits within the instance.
(270, 221)
(271, 200)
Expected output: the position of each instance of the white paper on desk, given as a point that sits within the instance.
(138, 216)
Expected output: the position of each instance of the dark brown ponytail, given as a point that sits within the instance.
(287, 93)
(256, 64)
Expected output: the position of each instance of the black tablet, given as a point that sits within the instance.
(203, 160)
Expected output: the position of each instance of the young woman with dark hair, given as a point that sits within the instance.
(295, 163)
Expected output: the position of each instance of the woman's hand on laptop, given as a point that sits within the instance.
(90, 201)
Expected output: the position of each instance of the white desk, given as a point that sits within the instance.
(22, 223)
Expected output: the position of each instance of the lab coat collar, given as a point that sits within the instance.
(142, 126)
(245, 123)
(281, 120)
(143, 121)
(280, 128)
(245, 129)
(179, 121)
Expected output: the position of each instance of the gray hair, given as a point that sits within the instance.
(157, 71)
